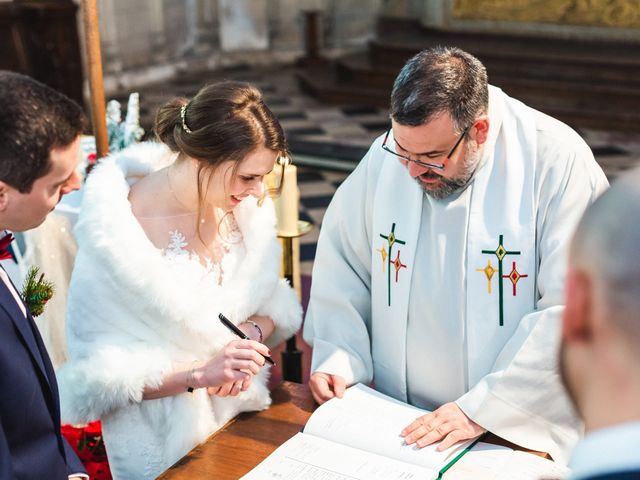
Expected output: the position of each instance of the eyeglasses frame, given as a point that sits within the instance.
(439, 166)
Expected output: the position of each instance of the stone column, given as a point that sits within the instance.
(202, 27)
(205, 28)
(112, 63)
(158, 45)
(436, 13)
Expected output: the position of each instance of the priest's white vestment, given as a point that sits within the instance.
(459, 299)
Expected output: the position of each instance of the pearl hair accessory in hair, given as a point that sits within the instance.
(183, 110)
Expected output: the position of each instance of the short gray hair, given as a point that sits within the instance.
(437, 80)
(606, 245)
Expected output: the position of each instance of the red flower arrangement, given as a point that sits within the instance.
(88, 444)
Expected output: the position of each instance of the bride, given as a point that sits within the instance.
(170, 235)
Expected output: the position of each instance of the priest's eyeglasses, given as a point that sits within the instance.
(439, 166)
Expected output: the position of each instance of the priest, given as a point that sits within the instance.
(440, 266)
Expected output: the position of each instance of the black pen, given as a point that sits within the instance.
(227, 323)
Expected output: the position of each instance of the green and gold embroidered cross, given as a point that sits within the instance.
(391, 241)
(500, 253)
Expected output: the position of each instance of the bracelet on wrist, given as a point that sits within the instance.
(191, 381)
(257, 327)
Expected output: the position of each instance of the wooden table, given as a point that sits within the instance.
(249, 438)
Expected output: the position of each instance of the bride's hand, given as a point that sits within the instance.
(239, 360)
(230, 389)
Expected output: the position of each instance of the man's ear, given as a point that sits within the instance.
(578, 314)
(481, 127)
(4, 196)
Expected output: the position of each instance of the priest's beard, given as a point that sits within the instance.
(450, 186)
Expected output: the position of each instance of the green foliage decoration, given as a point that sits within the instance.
(36, 291)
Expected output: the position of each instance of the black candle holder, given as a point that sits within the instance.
(292, 356)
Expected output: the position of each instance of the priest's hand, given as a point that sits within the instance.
(448, 423)
(325, 386)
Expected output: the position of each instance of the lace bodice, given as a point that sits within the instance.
(177, 252)
(180, 243)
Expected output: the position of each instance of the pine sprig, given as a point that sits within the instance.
(36, 291)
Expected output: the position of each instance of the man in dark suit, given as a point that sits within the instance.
(39, 151)
(600, 351)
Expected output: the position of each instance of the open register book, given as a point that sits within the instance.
(358, 437)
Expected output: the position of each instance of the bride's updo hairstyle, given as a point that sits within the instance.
(224, 121)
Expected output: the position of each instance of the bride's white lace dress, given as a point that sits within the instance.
(179, 241)
(141, 300)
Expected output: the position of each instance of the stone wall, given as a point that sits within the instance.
(146, 40)
(617, 20)
(143, 40)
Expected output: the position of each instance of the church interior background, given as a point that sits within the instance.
(326, 66)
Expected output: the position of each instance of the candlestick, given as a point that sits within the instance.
(289, 229)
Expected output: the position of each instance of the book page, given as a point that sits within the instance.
(493, 462)
(525, 466)
(305, 457)
(372, 421)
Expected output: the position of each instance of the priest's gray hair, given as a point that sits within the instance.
(437, 80)
(606, 245)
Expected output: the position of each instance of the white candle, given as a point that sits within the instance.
(287, 203)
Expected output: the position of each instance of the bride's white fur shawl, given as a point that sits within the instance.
(131, 315)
